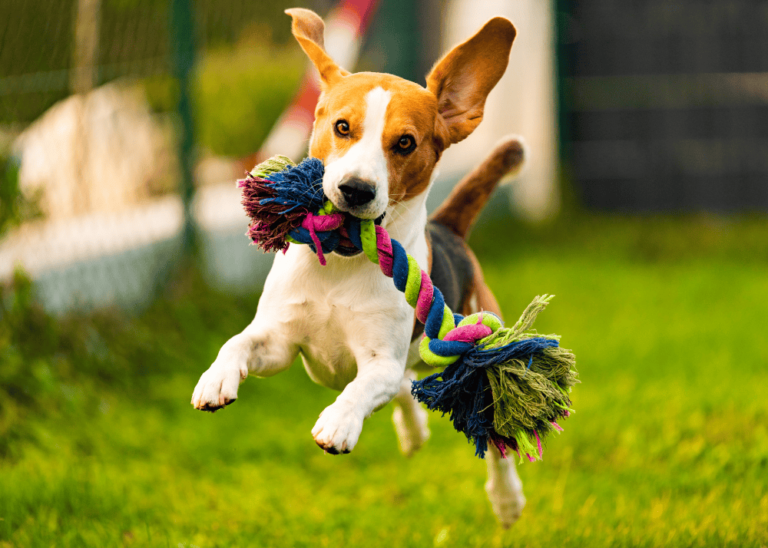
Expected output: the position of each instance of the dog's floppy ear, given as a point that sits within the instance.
(308, 29)
(462, 79)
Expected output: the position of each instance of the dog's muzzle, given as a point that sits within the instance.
(357, 192)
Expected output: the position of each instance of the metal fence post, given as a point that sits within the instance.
(183, 62)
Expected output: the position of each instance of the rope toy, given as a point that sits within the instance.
(506, 386)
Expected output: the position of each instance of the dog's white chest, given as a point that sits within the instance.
(323, 347)
(337, 314)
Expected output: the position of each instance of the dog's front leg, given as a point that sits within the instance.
(262, 349)
(377, 382)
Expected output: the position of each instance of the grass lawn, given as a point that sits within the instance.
(669, 445)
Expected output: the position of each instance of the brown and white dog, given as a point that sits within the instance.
(380, 138)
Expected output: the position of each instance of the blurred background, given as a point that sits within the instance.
(124, 266)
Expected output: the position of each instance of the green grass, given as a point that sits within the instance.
(669, 445)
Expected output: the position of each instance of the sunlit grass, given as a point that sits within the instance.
(669, 445)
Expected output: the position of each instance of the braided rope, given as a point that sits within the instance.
(528, 376)
(446, 335)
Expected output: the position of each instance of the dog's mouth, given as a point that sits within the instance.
(346, 248)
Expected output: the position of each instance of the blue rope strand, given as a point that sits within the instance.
(399, 265)
(449, 348)
(435, 316)
(354, 233)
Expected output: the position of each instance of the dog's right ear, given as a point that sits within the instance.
(308, 29)
(462, 79)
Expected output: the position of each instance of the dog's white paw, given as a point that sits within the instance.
(338, 428)
(217, 387)
(507, 503)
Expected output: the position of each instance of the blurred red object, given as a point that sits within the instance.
(345, 27)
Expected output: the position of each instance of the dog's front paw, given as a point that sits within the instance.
(338, 428)
(217, 387)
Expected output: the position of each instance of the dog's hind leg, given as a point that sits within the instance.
(410, 418)
(504, 488)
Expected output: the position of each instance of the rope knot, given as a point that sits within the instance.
(470, 333)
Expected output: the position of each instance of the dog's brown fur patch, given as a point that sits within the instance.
(462, 79)
(412, 111)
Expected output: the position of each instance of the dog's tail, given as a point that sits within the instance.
(460, 209)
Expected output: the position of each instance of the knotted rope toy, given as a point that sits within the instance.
(506, 386)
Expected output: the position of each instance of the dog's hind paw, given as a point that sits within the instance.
(217, 387)
(411, 429)
(508, 506)
(338, 428)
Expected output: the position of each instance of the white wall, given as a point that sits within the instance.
(523, 102)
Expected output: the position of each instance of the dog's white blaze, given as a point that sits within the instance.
(365, 159)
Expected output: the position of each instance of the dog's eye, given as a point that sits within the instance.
(405, 145)
(342, 128)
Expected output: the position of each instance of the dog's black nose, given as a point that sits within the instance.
(357, 192)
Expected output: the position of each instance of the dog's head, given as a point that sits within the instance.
(380, 136)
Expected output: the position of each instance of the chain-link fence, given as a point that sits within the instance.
(124, 124)
(121, 125)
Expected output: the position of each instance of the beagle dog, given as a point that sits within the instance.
(380, 138)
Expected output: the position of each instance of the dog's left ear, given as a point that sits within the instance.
(308, 29)
(462, 79)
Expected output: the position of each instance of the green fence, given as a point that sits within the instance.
(94, 92)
